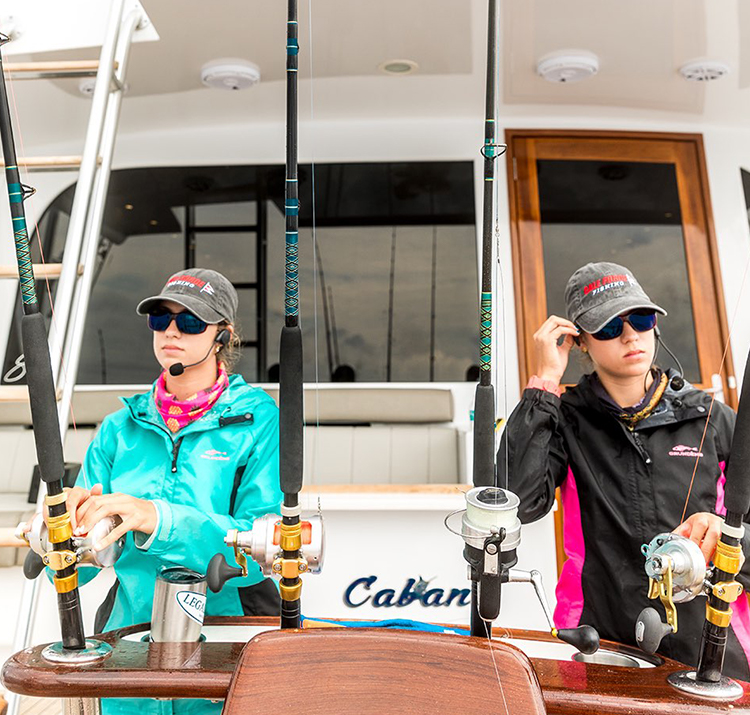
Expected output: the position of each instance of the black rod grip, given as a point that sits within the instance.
(737, 493)
(49, 449)
(484, 436)
(290, 410)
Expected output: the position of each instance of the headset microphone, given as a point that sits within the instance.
(222, 337)
(678, 381)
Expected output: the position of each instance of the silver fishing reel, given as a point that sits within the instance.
(262, 543)
(491, 530)
(677, 573)
(83, 545)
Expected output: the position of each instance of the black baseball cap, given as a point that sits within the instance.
(598, 292)
(205, 293)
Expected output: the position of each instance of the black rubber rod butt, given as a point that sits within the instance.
(478, 627)
(290, 412)
(737, 490)
(484, 436)
(49, 450)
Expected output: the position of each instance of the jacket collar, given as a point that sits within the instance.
(675, 405)
(237, 398)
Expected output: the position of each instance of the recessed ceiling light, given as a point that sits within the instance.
(128, 207)
(704, 70)
(398, 67)
(153, 222)
(230, 73)
(568, 66)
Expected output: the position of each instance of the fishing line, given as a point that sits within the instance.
(315, 462)
(497, 670)
(713, 394)
(43, 261)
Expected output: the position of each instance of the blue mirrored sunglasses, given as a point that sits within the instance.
(640, 320)
(160, 318)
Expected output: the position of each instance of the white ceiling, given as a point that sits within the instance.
(640, 44)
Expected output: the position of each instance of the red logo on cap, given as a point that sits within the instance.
(606, 282)
(183, 279)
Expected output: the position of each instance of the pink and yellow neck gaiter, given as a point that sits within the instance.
(180, 413)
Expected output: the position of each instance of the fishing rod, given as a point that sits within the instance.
(62, 558)
(285, 546)
(678, 573)
(290, 354)
(489, 525)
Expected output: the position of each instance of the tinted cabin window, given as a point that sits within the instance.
(393, 295)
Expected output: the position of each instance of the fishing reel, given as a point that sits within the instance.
(262, 543)
(677, 573)
(42, 554)
(491, 532)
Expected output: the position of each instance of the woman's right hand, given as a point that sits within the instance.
(74, 498)
(551, 358)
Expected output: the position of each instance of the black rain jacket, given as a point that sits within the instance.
(620, 488)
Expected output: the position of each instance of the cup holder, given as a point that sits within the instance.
(608, 657)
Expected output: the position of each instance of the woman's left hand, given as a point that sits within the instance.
(704, 529)
(136, 514)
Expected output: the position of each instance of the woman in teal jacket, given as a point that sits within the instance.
(195, 456)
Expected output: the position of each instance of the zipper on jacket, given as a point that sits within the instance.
(641, 448)
(175, 453)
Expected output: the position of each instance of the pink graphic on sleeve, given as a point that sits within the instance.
(569, 589)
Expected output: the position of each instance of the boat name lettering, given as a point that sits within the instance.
(360, 591)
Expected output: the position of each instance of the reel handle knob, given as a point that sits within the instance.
(584, 638)
(32, 565)
(650, 630)
(219, 572)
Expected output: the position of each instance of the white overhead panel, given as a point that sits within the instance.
(40, 26)
(640, 44)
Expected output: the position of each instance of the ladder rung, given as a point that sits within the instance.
(18, 394)
(50, 163)
(52, 70)
(41, 270)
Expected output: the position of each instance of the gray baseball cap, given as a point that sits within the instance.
(205, 293)
(598, 292)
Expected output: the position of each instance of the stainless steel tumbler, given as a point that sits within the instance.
(179, 606)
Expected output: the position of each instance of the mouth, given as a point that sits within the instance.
(171, 349)
(635, 353)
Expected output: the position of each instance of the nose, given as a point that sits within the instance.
(172, 329)
(629, 333)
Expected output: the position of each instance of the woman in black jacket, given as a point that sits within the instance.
(622, 446)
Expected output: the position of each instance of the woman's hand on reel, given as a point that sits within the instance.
(552, 359)
(704, 529)
(136, 514)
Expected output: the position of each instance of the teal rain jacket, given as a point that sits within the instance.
(218, 473)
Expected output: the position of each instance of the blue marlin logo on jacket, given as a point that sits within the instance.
(360, 591)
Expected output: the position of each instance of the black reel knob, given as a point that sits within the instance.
(584, 638)
(650, 630)
(32, 565)
(219, 572)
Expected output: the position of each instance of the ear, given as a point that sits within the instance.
(223, 337)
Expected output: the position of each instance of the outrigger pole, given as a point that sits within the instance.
(290, 354)
(62, 559)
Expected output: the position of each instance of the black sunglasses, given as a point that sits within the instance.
(640, 320)
(160, 318)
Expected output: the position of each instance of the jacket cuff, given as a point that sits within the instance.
(161, 534)
(536, 382)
